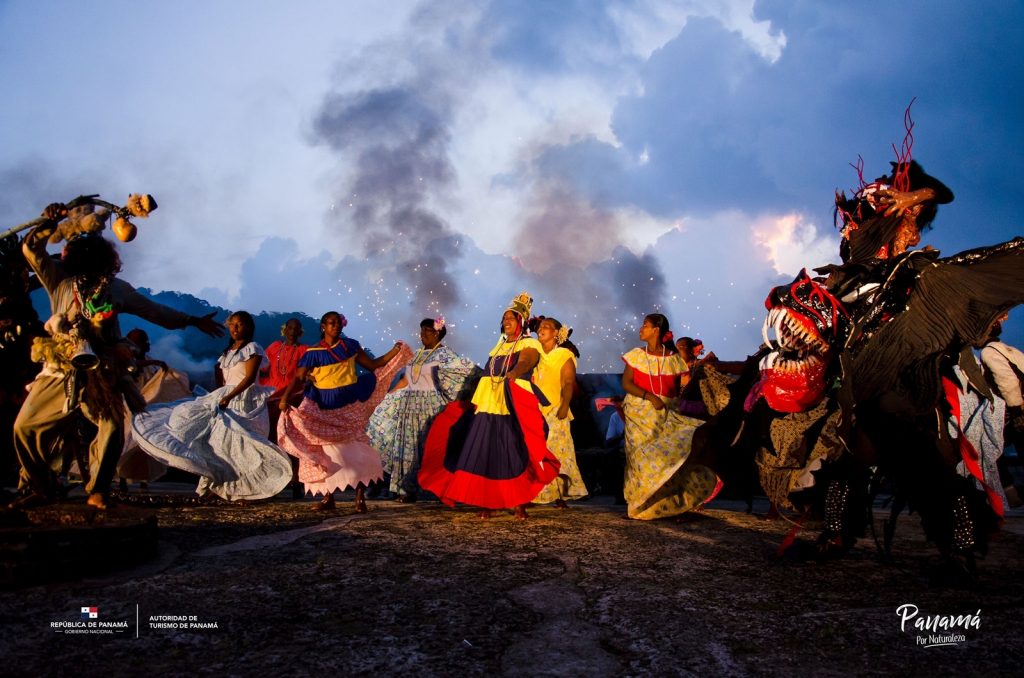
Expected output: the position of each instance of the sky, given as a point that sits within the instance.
(401, 160)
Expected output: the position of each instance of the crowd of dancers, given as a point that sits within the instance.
(429, 422)
(329, 416)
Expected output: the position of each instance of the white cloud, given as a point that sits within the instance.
(793, 242)
(646, 26)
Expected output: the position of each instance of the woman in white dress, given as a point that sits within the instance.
(222, 436)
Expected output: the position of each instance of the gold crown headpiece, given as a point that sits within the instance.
(521, 305)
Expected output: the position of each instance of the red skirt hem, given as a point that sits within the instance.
(477, 490)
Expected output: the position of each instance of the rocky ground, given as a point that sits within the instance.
(435, 591)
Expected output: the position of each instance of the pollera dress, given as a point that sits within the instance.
(398, 427)
(227, 448)
(548, 376)
(157, 386)
(327, 432)
(491, 452)
(658, 442)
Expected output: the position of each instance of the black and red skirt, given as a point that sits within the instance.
(489, 460)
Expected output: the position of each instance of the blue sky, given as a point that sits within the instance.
(396, 159)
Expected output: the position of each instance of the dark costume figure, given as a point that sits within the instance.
(83, 366)
(19, 324)
(859, 370)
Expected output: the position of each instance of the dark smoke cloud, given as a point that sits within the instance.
(560, 229)
(394, 141)
(399, 137)
(582, 272)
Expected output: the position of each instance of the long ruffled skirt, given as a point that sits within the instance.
(333, 449)
(488, 460)
(163, 386)
(228, 448)
(398, 428)
(658, 443)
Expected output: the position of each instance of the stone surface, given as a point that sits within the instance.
(582, 592)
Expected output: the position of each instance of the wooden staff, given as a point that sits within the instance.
(80, 200)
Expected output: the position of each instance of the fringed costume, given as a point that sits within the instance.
(81, 318)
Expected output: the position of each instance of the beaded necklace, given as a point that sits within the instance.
(417, 364)
(655, 377)
(508, 359)
(286, 363)
(93, 306)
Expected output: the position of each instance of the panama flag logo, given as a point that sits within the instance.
(90, 613)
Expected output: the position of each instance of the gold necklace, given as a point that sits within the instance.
(416, 362)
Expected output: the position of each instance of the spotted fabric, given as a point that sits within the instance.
(657, 444)
(569, 483)
(714, 388)
(399, 425)
(802, 442)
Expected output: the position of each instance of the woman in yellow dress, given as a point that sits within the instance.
(658, 438)
(556, 377)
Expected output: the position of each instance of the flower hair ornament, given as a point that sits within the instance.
(439, 323)
(563, 335)
(283, 328)
(668, 336)
(344, 320)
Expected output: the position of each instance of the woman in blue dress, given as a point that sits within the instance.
(327, 432)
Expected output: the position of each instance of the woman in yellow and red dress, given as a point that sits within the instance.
(492, 452)
(658, 483)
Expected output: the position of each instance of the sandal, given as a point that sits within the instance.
(520, 513)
